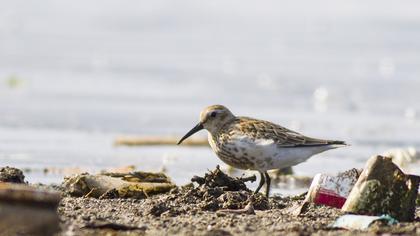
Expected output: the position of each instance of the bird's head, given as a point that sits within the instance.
(212, 118)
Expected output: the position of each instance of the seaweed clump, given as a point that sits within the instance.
(215, 191)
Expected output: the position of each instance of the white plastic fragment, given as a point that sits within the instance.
(361, 222)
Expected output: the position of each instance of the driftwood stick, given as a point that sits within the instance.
(158, 140)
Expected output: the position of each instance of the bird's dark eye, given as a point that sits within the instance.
(213, 114)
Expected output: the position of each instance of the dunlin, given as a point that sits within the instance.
(247, 143)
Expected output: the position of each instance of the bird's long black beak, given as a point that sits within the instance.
(194, 130)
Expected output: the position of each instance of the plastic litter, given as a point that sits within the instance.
(332, 190)
(361, 222)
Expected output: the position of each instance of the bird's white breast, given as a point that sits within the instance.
(266, 154)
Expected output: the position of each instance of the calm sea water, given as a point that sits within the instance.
(75, 75)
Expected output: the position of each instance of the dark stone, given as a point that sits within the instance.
(11, 175)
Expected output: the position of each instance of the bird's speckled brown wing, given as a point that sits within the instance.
(260, 129)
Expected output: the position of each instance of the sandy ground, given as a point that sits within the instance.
(219, 205)
(201, 210)
(165, 215)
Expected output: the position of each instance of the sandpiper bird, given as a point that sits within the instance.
(247, 143)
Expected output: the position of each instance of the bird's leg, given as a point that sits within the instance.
(262, 181)
(267, 182)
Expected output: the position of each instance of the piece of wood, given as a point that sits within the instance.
(383, 188)
(96, 186)
(26, 210)
(158, 140)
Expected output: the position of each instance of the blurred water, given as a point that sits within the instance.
(75, 75)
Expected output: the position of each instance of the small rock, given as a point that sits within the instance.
(11, 175)
(383, 188)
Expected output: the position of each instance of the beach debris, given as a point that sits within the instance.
(158, 140)
(383, 188)
(215, 191)
(224, 192)
(218, 178)
(361, 222)
(25, 210)
(137, 185)
(327, 190)
(11, 175)
(402, 157)
(332, 190)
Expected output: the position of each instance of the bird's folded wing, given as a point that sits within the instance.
(282, 136)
